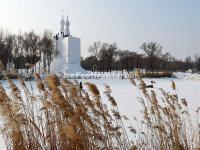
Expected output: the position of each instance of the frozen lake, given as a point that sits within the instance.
(126, 94)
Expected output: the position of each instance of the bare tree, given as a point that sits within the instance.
(17, 50)
(30, 47)
(6, 45)
(188, 63)
(197, 61)
(94, 50)
(152, 50)
(47, 46)
(106, 55)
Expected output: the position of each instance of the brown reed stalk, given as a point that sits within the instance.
(61, 115)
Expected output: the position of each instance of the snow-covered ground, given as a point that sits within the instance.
(187, 76)
(126, 94)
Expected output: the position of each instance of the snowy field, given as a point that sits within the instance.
(126, 94)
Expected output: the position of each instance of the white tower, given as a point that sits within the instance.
(69, 47)
(67, 23)
(62, 24)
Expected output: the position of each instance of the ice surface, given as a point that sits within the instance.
(126, 94)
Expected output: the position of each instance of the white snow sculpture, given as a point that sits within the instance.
(68, 59)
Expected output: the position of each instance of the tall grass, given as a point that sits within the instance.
(61, 115)
(166, 122)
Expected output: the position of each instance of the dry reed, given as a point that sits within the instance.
(64, 116)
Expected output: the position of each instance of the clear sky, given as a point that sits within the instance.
(173, 23)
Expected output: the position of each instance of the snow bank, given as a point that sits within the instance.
(194, 76)
(187, 76)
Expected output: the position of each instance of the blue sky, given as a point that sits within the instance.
(173, 23)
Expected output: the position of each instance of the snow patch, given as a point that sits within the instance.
(187, 76)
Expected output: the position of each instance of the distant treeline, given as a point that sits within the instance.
(20, 51)
(107, 57)
(26, 49)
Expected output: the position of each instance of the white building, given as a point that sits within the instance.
(68, 46)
